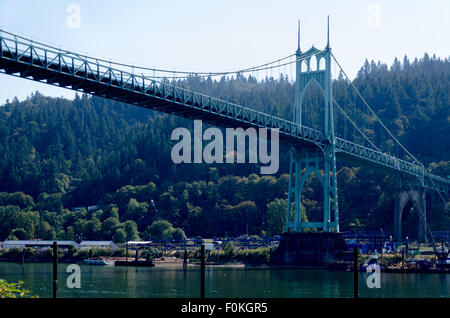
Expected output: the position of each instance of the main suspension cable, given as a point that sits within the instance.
(354, 125)
(248, 70)
(83, 56)
(376, 117)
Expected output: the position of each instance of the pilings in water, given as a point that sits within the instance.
(381, 238)
(202, 271)
(403, 259)
(55, 268)
(22, 257)
(185, 260)
(310, 249)
(355, 272)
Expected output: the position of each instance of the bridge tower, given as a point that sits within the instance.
(317, 159)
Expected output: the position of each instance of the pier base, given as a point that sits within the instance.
(310, 248)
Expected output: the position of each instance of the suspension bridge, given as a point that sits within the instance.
(312, 150)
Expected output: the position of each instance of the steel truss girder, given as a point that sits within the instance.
(305, 161)
(76, 72)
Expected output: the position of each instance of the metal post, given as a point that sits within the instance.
(55, 268)
(185, 259)
(375, 247)
(355, 272)
(406, 252)
(381, 239)
(22, 260)
(403, 258)
(202, 271)
(126, 251)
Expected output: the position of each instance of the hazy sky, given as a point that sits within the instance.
(225, 35)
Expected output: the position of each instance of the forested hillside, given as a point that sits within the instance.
(57, 154)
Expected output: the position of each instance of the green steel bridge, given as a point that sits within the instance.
(310, 148)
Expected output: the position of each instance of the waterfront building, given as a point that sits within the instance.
(84, 245)
(37, 244)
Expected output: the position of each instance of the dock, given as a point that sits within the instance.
(134, 263)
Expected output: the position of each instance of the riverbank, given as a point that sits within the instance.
(171, 262)
(229, 257)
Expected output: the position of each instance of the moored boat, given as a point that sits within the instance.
(372, 264)
(146, 263)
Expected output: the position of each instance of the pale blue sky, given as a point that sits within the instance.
(227, 35)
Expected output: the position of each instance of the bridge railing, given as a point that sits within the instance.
(426, 179)
(378, 157)
(438, 183)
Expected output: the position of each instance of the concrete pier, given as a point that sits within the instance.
(310, 248)
(418, 197)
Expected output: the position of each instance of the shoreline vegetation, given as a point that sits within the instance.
(229, 255)
(14, 290)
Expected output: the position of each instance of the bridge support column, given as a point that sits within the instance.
(418, 197)
(305, 161)
(422, 234)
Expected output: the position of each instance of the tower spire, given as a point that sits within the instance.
(298, 45)
(328, 32)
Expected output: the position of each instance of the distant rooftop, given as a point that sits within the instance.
(25, 243)
(96, 243)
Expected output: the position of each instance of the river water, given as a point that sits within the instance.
(110, 281)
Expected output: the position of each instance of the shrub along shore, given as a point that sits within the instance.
(229, 255)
